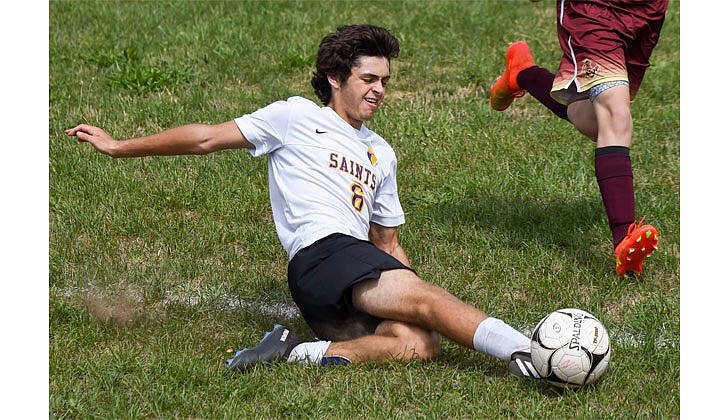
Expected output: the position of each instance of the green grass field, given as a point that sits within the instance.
(159, 266)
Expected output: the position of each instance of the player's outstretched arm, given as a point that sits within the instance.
(191, 139)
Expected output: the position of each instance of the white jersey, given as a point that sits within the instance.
(324, 175)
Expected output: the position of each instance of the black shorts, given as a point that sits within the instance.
(321, 277)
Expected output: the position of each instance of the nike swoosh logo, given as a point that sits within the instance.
(320, 131)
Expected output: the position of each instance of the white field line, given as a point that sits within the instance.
(190, 296)
(193, 296)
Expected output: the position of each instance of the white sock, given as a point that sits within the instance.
(498, 339)
(309, 352)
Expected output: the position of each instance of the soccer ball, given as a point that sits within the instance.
(570, 348)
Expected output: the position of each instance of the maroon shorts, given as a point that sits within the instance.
(603, 41)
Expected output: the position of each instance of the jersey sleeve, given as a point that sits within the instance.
(386, 209)
(266, 128)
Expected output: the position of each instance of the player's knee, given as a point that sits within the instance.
(618, 130)
(423, 346)
(418, 343)
(431, 345)
(613, 112)
(623, 120)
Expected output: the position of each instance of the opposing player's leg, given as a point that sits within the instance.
(612, 112)
(581, 115)
(613, 167)
(538, 81)
(522, 75)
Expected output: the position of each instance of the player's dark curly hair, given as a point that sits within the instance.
(340, 51)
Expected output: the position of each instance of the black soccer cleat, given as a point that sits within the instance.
(275, 345)
(521, 366)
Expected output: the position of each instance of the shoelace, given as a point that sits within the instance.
(635, 225)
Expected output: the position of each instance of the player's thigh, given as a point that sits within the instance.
(582, 116)
(397, 294)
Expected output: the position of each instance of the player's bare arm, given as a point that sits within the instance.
(191, 139)
(386, 239)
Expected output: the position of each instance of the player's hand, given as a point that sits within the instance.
(97, 137)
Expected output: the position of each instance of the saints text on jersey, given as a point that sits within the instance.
(353, 168)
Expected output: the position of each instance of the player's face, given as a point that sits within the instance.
(358, 98)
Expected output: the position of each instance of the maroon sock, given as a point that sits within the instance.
(613, 169)
(538, 81)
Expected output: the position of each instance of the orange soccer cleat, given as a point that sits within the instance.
(639, 244)
(506, 89)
